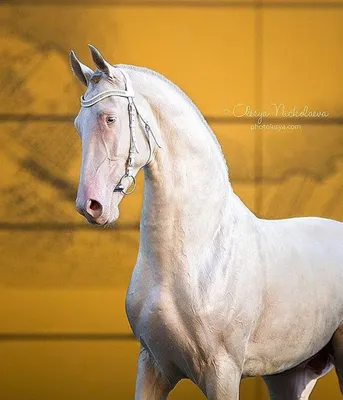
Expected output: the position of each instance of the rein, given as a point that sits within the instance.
(132, 110)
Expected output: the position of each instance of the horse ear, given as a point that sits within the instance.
(81, 71)
(99, 61)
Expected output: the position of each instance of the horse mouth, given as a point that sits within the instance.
(103, 220)
(97, 223)
(100, 222)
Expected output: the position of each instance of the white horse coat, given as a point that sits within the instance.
(217, 294)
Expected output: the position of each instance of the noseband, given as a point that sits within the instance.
(132, 109)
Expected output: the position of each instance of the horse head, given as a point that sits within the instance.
(111, 153)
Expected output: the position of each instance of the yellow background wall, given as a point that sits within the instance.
(63, 330)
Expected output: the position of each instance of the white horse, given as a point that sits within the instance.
(217, 294)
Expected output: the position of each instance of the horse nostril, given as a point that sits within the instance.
(94, 208)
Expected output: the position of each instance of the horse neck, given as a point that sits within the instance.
(188, 200)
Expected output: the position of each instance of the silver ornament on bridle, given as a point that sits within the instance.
(132, 110)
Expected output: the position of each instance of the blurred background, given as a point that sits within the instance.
(63, 329)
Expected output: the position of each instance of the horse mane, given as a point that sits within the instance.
(184, 95)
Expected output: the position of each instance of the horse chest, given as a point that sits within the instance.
(152, 316)
(165, 330)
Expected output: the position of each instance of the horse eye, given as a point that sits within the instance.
(110, 120)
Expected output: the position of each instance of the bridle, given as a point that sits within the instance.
(132, 108)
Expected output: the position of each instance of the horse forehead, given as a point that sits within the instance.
(99, 82)
(95, 88)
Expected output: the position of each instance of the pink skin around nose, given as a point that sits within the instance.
(93, 208)
(94, 202)
(98, 208)
(95, 211)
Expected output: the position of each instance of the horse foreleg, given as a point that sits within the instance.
(222, 381)
(150, 383)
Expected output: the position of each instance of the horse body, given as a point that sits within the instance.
(269, 303)
(218, 294)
